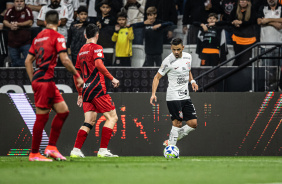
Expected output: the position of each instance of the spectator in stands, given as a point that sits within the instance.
(106, 23)
(243, 21)
(123, 37)
(153, 37)
(270, 20)
(35, 6)
(116, 6)
(92, 12)
(72, 6)
(197, 11)
(19, 19)
(4, 6)
(210, 43)
(167, 12)
(135, 14)
(63, 15)
(83, 3)
(227, 6)
(76, 38)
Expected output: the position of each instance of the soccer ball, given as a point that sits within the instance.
(171, 152)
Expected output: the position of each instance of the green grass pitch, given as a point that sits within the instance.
(135, 170)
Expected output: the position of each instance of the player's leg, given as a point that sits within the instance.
(111, 119)
(42, 98)
(62, 113)
(175, 111)
(90, 120)
(42, 116)
(190, 117)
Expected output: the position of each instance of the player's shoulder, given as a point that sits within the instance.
(186, 55)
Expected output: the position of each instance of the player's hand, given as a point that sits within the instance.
(80, 82)
(79, 101)
(153, 97)
(115, 82)
(184, 29)
(195, 87)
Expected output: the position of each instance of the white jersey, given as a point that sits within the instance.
(35, 13)
(83, 3)
(63, 13)
(177, 70)
(72, 6)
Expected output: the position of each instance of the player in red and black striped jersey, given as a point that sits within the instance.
(94, 95)
(44, 49)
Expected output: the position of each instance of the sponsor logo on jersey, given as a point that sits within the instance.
(86, 85)
(176, 68)
(82, 53)
(64, 45)
(182, 93)
(182, 80)
(61, 40)
(98, 50)
(164, 67)
(41, 39)
(186, 58)
(100, 54)
(183, 68)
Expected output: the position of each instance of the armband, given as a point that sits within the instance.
(193, 81)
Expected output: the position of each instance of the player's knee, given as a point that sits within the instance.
(194, 123)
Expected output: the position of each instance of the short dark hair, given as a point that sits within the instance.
(52, 17)
(82, 9)
(107, 2)
(176, 41)
(213, 15)
(91, 30)
(121, 14)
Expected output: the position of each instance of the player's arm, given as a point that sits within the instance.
(28, 66)
(155, 85)
(193, 82)
(69, 66)
(101, 67)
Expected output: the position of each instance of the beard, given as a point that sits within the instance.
(19, 8)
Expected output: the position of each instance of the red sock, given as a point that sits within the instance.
(106, 136)
(80, 138)
(56, 127)
(40, 122)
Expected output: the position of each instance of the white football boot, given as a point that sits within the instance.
(104, 152)
(76, 153)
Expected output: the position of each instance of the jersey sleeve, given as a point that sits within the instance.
(164, 67)
(42, 13)
(64, 13)
(31, 49)
(60, 44)
(98, 53)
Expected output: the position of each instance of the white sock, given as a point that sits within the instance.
(173, 135)
(102, 149)
(184, 131)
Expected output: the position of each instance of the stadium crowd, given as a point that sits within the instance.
(123, 23)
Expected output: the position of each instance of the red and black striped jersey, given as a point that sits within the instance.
(86, 65)
(45, 47)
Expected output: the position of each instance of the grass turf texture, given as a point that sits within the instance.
(135, 170)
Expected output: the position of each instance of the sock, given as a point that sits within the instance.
(40, 122)
(185, 131)
(56, 127)
(80, 138)
(106, 136)
(173, 135)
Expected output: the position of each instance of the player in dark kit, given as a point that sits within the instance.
(44, 49)
(94, 95)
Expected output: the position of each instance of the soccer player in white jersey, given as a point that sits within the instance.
(177, 66)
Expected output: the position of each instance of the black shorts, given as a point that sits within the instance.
(181, 110)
